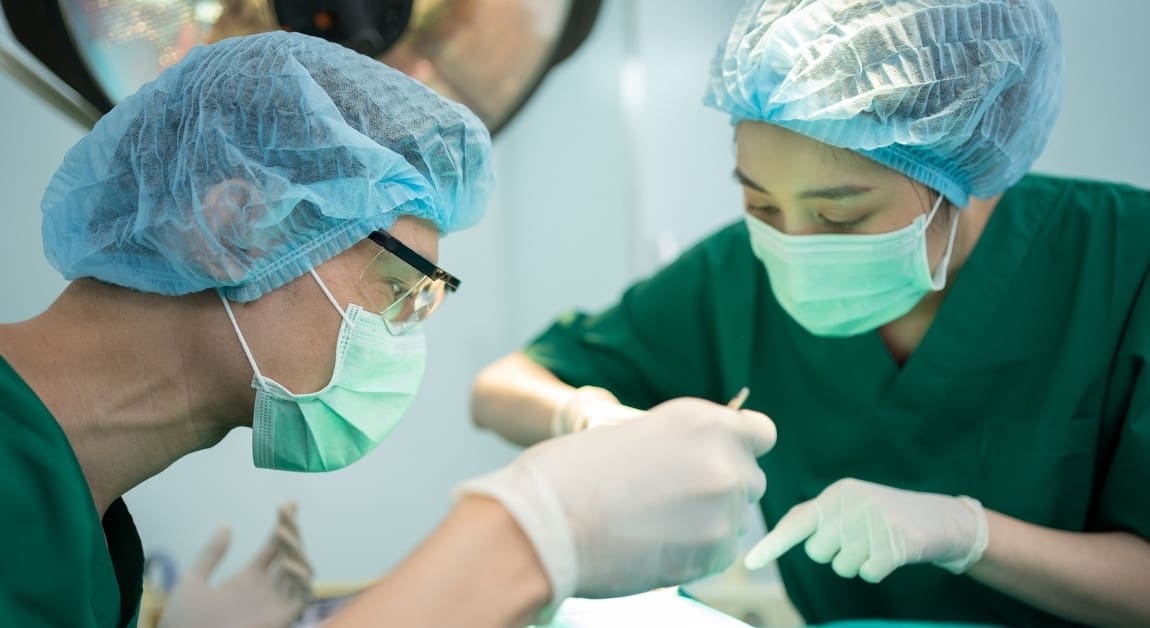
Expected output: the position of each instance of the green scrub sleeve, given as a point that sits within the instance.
(659, 341)
(1125, 498)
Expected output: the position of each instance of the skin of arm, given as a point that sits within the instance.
(478, 569)
(515, 397)
(1101, 579)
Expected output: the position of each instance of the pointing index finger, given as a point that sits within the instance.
(799, 523)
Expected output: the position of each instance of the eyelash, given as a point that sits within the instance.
(771, 210)
(841, 226)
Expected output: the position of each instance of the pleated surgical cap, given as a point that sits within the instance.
(959, 95)
(252, 161)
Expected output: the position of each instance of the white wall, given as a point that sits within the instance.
(1103, 131)
(613, 166)
(33, 139)
(685, 150)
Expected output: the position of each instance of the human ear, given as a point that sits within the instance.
(231, 211)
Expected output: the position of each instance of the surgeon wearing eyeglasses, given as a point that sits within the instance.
(956, 353)
(251, 240)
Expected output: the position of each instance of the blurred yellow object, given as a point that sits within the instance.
(151, 606)
(327, 599)
(242, 17)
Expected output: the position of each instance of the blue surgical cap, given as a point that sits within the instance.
(960, 96)
(252, 161)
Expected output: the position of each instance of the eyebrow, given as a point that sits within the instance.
(835, 193)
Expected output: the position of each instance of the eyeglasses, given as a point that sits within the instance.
(403, 303)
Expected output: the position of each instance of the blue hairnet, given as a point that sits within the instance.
(254, 160)
(960, 96)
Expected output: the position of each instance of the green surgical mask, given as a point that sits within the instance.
(373, 383)
(843, 284)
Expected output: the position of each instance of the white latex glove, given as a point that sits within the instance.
(590, 407)
(869, 530)
(270, 592)
(651, 502)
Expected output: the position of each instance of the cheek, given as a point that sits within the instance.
(312, 358)
(938, 235)
(294, 338)
(897, 207)
(891, 219)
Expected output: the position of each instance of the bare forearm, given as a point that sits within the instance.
(516, 398)
(1101, 579)
(477, 570)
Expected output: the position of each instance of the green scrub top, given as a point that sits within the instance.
(60, 565)
(1030, 391)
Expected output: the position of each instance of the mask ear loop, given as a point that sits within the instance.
(933, 211)
(938, 279)
(243, 343)
(330, 298)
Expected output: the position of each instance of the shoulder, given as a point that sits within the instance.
(711, 264)
(27, 423)
(47, 522)
(1100, 224)
(43, 487)
(1086, 198)
(727, 249)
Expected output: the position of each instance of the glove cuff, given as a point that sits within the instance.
(537, 509)
(981, 538)
(571, 416)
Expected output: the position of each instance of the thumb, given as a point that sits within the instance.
(211, 555)
(757, 430)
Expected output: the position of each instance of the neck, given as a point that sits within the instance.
(903, 335)
(128, 397)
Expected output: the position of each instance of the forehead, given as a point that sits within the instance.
(766, 149)
(417, 234)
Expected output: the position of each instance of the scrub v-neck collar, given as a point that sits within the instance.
(970, 305)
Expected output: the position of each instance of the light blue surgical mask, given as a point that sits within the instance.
(845, 284)
(374, 381)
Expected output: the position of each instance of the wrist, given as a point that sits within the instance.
(512, 569)
(476, 569)
(571, 415)
(532, 504)
(976, 529)
(589, 407)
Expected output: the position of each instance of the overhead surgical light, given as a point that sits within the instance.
(490, 55)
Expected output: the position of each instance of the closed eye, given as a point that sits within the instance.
(848, 225)
(763, 210)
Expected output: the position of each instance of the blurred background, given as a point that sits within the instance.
(608, 170)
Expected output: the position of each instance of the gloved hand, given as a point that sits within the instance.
(271, 591)
(650, 502)
(589, 407)
(869, 530)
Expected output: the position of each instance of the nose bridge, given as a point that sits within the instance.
(796, 221)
